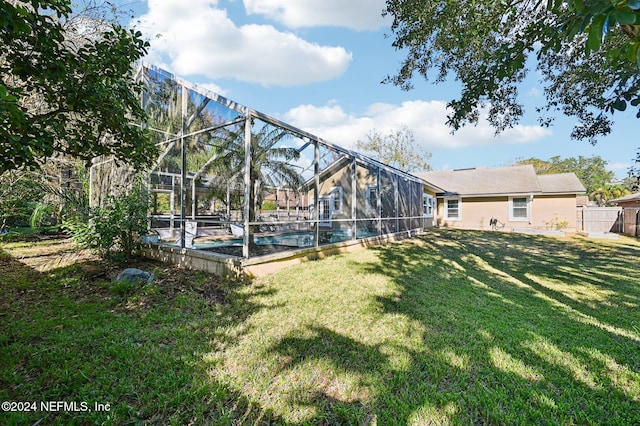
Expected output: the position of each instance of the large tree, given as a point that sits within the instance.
(600, 183)
(398, 148)
(585, 51)
(272, 165)
(67, 87)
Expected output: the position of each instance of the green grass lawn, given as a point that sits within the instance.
(454, 327)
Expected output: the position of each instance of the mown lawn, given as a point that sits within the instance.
(455, 327)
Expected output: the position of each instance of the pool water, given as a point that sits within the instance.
(300, 239)
(294, 239)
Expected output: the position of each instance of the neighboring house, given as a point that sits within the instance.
(632, 200)
(516, 196)
(629, 217)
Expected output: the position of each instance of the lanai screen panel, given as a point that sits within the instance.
(388, 201)
(335, 202)
(367, 200)
(279, 212)
(192, 130)
(299, 190)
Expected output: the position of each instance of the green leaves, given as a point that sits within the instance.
(598, 17)
(118, 224)
(83, 87)
(398, 148)
(596, 32)
(619, 105)
(587, 52)
(624, 17)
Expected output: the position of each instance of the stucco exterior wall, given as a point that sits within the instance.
(476, 212)
(342, 178)
(545, 212)
(555, 212)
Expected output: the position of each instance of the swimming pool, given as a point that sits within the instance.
(293, 239)
(297, 239)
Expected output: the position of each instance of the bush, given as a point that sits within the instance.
(19, 195)
(42, 215)
(116, 226)
(269, 205)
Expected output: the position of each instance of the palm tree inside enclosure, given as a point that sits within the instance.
(231, 180)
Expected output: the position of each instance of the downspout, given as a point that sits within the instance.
(531, 208)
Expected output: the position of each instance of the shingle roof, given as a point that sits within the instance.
(502, 181)
(630, 197)
(562, 183)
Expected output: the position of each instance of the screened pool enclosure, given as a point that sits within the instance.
(232, 180)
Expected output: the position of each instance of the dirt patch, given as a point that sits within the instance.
(32, 273)
(172, 281)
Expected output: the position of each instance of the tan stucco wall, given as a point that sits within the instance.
(476, 212)
(549, 211)
(546, 212)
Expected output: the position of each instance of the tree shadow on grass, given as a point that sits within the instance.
(578, 276)
(501, 344)
(65, 335)
(517, 294)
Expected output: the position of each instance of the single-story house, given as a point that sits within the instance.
(631, 200)
(516, 196)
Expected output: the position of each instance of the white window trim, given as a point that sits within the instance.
(446, 209)
(325, 221)
(368, 207)
(428, 202)
(512, 218)
(336, 191)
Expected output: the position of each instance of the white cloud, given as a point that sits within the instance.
(617, 166)
(534, 92)
(200, 39)
(214, 88)
(355, 14)
(425, 118)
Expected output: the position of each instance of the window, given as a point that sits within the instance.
(453, 209)
(336, 196)
(428, 205)
(519, 208)
(371, 200)
(324, 207)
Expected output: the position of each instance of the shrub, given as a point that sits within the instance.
(269, 205)
(116, 226)
(19, 194)
(41, 215)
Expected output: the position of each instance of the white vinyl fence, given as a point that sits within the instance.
(609, 219)
(599, 219)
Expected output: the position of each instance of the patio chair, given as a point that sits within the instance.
(495, 224)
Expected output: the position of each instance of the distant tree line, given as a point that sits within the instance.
(600, 183)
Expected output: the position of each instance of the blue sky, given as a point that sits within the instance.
(318, 65)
